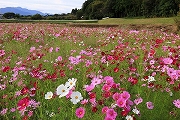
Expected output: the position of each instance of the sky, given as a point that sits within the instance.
(45, 6)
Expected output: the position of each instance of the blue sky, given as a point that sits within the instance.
(45, 6)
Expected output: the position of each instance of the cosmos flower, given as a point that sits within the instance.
(48, 95)
(177, 103)
(70, 83)
(128, 117)
(76, 97)
(111, 113)
(62, 90)
(138, 101)
(23, 103)
(80, 112)
(149, 105)
(121, 102)
(167, 61)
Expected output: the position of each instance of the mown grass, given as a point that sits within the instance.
(121, 21)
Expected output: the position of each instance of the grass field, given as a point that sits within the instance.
(114, 21)
(57, 72)
(137, 21)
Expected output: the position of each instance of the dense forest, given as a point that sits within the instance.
(97, 9)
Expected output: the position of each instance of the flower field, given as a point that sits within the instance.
(50, 71)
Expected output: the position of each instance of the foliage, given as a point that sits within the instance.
(36, 17)
(97, 9)
(9, 15)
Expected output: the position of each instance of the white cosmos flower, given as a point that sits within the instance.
(151, 78)
(136, 111)
(76, 97)
(62, 90)
(128, 117)
(71, 83)
(48, 95)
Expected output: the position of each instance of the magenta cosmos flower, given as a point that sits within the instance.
(80, 112)
(121, 102)
(23, 103)
(125, 95)
(111, 113)
(177, 103)
(104, 109)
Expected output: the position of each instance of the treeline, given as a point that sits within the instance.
(63, 16)
(97, 9)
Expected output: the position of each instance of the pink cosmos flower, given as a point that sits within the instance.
(109, 80)
(3, 111)
(30, 113)
(32, 49)
(74, 60)
(109, 57)
(69, 94)
(149, 105)
(104, 109)
(121, 102)
(128, 105)
(177, 103)
(80, 112)
(172, 73)
(59, 58)
(13, 109)
(116, 96)
(57, 49)
(167, 61)
(88, 63)
(2, 53)
(90, 87)
(151, 62)
(50, 49)
(125, 95)
(111, 113)
(108, 118)
(106, 87)
(93, 101)
(96, 81)
(85, 101)
(138, 101)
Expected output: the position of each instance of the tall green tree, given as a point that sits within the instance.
(9, 15)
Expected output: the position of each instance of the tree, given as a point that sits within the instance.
(129, 8)
(74, 11)
(17, 16)
(79, 14)
(36, 17)
(9, 15)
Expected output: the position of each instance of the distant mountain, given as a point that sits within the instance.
(19, 10)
